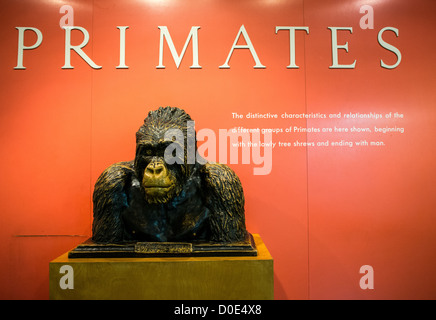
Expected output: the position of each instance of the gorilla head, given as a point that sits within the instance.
(161, 181)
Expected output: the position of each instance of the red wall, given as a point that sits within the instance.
(323, 212)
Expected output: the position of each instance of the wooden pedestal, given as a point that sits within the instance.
(199, 278)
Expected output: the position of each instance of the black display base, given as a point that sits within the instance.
(90, 249)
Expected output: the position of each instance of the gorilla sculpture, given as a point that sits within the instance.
(148, 199)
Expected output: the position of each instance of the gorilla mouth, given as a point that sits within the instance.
(157, 187)
(159, 190)
(159, 194)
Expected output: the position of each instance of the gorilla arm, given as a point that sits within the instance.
(110, 200)
(225, 200)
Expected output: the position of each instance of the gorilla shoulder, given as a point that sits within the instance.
(109, 200)
(225, 198)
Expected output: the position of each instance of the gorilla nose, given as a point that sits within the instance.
(155, 168)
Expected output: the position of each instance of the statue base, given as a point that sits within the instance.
(157, 278)
(90, 249)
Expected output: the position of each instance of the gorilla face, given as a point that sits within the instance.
(160, 182)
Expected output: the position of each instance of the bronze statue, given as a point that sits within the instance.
(150, 200)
